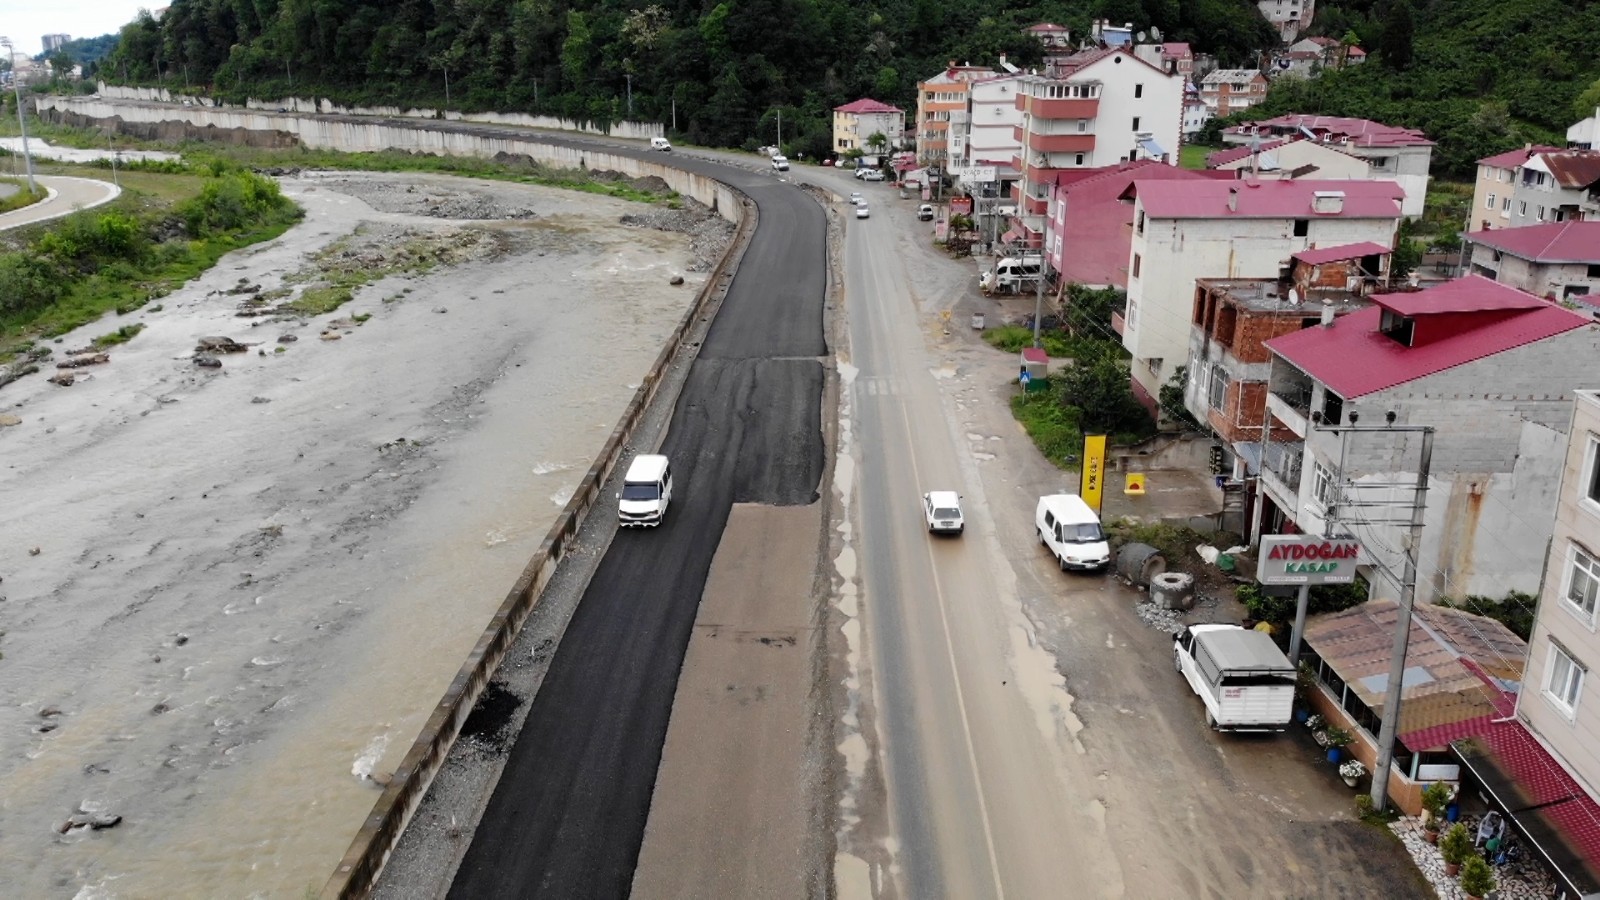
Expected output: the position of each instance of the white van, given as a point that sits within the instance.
(1071, 530)
(646, 491)
(660, 143)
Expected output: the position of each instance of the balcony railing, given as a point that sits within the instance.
(1284, 460)
(1298, 396)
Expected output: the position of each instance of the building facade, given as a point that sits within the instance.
(1102, 107)
(1293, 158)
(942, 103)
(1186, 230)
(991, 138)
(1089, 227)
(1491, 191)
(854, 125)
(1227, 91)
(1492, 370)
(1401, 155)
(1290, 17)
(1556, 186)
(1555, 261)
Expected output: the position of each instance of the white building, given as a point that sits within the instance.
(1184, 230)
(854, 124)
(1294, 159)
(1492, 370)
(1556, 186)
(1585, 135)
(1288, 16)
(1402, 155)
(993, 119)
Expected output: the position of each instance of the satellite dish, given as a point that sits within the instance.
(1141, 36)
(1155, 33)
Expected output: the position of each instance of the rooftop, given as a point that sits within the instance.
(1511, 159)
(1573, 168)
(1176, 50)
(1317, 257)
(1361, 132)
(1553, 242)
(1265, 295)
(1287, 199)
(867, 105)
(1458, 664)
(1233, 154)
(1220, 75)
(1476, 318)
(1099, 226)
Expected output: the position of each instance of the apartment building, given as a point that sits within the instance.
(942, 103)
(1293, 158)
(1290, 17)
(991, 138)
(1492, 370)
(1186, 230)
(1098, 108)
(1401, 155)
(1555, 261)
(854, 125)
(1556, 186)
(1491, 192)
(1089, 227)
(1227, 91)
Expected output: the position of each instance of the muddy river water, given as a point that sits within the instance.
(233, 595)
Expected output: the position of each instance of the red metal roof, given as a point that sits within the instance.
(867, 105)
(1034, 355)
(1354, 359)
(1288, 199)
(1317, 257)
(1234, 154)
(1176, 50)
(1555, 242)
(1514, 158)
(1098, 234)
(1045, 27)
(1362, 132)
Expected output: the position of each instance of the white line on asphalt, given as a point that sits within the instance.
(961, 700)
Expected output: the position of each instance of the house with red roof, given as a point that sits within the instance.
(1492, 370)
(855, 123)
(1093, 109)
(1051, 35)
(1559, 260)
(1402, 155)
(1556, 186)
(1491, 193)
(1205, 228)
(1293, 158)
(942, 106)
(1173, 57)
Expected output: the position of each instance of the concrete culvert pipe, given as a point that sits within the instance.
(1138, 563)
(1172, 590)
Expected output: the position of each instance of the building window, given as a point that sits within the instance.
(1539, 213)
(1522, 208)
(1135, 123)
(1583, 583)
(1591, 479)
(1079, 160)
(1324, 489)
(1505, 204)
(1564, 684)
(1302, 227)
(1138, 91)
(1139, 223)
(1217, 391)
(1083, 125)
(1594, 270)
(1490, 203)
(1136, 261)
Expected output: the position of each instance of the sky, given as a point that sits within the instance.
(26, 22)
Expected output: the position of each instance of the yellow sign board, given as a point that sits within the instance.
(1135, 484)
(1092, 481)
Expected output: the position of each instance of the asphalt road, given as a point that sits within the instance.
(71, 195)
(568, 815)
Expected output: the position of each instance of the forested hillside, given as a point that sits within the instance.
(1478, 76)
(726, 67)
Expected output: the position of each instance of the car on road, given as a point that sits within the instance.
(942, 510)
(660, 143)
(780, 163)
(925, 212)
(862, 212)
(1246, 682)
(1071, 531)
(856, 199)
(646, 491)
(861, 172)
(872, 175)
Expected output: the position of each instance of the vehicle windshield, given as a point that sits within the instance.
(946, 512)
(1087, 533)
(640, 492)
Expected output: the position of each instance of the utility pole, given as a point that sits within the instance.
(674, 112)
(629, 76)
(1408, 588)
(780, 130)
(1038, 298)
(22, 120)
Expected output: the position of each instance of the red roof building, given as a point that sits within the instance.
(1559, 260)
(1337, 129)
(1231, 199)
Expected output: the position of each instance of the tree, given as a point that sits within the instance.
(1399, 32)
(1588, 101)
(1099, 385)
(877, 141)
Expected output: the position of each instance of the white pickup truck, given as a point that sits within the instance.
(1246, 682)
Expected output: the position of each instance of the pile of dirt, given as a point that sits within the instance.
(709, 234)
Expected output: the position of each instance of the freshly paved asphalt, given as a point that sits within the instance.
(567, 818)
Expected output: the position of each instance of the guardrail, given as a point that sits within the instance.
(358, 872)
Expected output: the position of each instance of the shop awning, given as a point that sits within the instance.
(1547, 804)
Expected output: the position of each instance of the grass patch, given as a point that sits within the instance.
(1193, 156)
(1015, 338)
(322, 298)
(1052, 426)
(121, 336)
(22, 198)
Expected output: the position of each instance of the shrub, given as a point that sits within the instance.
(1477, 880)
(1456, 845)
(1514, 610)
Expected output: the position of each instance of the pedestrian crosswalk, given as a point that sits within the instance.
(876, 386)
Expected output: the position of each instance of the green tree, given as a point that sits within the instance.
(1099, 385)
(577, 51)
(1399, 33)
(1588, 101)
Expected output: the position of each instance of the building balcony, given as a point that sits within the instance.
(1081, 142)
(1280, 474)
(1035, 206)
(1290, 406)
(1046, 108)
(1117, 323)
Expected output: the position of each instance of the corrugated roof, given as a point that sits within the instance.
(1354, 358)
(1098, 234)
(1573, 168)
(1554, 242)
(1218, 76)
(1287, 199)
(1343, 251)
(1176, 50)
(1439, 687)
(1514, 158)
(1362, 132)
(1234, 154)
(867, 105)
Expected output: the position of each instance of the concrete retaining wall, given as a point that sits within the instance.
(632, 130)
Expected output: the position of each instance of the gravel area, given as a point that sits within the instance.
(1522, 880)
(708, 232)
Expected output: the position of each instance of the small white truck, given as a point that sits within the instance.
(1246, 682)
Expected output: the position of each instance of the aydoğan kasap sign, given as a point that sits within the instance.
(1307, 559)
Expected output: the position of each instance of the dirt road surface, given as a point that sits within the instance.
(233, 595)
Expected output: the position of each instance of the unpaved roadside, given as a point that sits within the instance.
(233, 594)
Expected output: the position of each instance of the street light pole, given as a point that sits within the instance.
(629, 76)
(22, 120)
